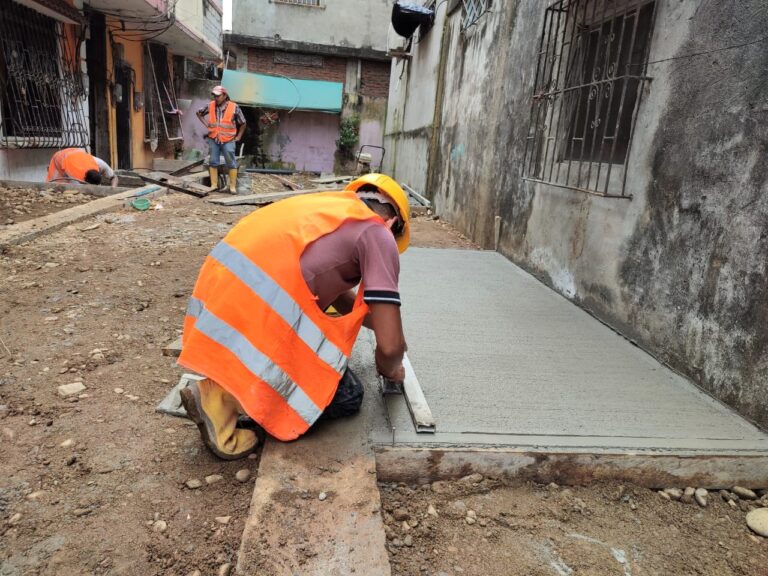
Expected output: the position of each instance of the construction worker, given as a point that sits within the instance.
(76, 165)
(256, 326)
(226, 125)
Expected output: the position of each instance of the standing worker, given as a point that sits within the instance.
(226, 125)
(76, 165)
(256, 326)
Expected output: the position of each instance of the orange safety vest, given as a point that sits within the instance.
(70, 163)
(224, 129)
(254, 327)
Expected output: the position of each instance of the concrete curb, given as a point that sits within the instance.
(31, 229)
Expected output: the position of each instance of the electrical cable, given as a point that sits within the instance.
(704, 52)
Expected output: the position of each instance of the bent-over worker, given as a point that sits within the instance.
(226, 124)
(76, 165)
(256, 326)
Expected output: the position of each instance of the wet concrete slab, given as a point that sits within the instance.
(506, 362)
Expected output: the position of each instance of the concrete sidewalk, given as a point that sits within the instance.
(504, 361)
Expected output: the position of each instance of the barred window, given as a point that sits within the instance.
(41, 92)
(472, 10)
(588, 87)
(299, 2)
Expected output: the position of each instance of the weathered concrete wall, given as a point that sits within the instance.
(353, 24)
(414, 85)
(681, 267)
(26, 164)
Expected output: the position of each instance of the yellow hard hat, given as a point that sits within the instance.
(391, 189)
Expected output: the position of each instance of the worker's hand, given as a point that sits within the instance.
(397, 374)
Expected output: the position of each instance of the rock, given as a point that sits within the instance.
(34, 496)
(687, 496)
(195, 573)
(471, 514)
(66, 390)
(225, 569)
(732, 504)
(701, 497)
(405, 526)
(193, 483)
(440, 487)
(400, 514)
(322, 496)
(744, 493)
(223, 519)
(159, 526)
(664, 495)
(68, 443)
(469, 520)
(744, 506)
(243, 475)
(472, 479)
(81, 511)
(118, 390)
(431, 511)
(725, 495)
(674, 493)
(757, 520)
(213, 478)
(15, 519)
(408, 540)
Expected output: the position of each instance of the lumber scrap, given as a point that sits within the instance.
(285, 182)
(331, 179)
(261, 199)
(177, 184)
(416, 196)
(31, 229)
(184, 169)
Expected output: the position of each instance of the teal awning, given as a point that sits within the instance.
(248, 89)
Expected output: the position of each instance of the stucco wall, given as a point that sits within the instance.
(681, 267)
(353, 24)
(304, 140)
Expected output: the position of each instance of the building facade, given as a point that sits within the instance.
(333, 44)
(101, 75)
(615, 149)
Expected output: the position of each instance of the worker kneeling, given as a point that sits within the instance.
(256, 325)
(76, 165)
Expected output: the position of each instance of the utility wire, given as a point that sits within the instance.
(763, 39)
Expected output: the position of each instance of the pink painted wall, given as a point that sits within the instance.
(371, 133)
(305, 139)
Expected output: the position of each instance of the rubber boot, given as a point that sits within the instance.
(233, 180)
(213, 172)
(215, 411)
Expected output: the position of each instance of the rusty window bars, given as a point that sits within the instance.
(42, 97)
(589, 82)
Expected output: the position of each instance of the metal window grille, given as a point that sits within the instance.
(299, 2)
(589, 82)
(472, 10)
(42, 96)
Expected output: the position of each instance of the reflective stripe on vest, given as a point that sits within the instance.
(268, 290)
(224, 128)
(259, 364)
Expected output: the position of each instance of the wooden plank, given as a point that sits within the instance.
(331, 179)
(261, 199)
(418, 197)
(285, 182)
(91, 189)
(169, 164)
(26, 231)
(421, 415)
(184, 169)
(177, 184)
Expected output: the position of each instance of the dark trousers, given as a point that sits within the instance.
(348, 397)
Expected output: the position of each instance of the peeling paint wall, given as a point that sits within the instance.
(681, 268)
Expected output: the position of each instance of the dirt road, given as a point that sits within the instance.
(99, 483)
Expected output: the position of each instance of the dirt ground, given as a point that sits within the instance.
(96, 483)
(481, 526)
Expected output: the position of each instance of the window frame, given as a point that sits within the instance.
(572, 70)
